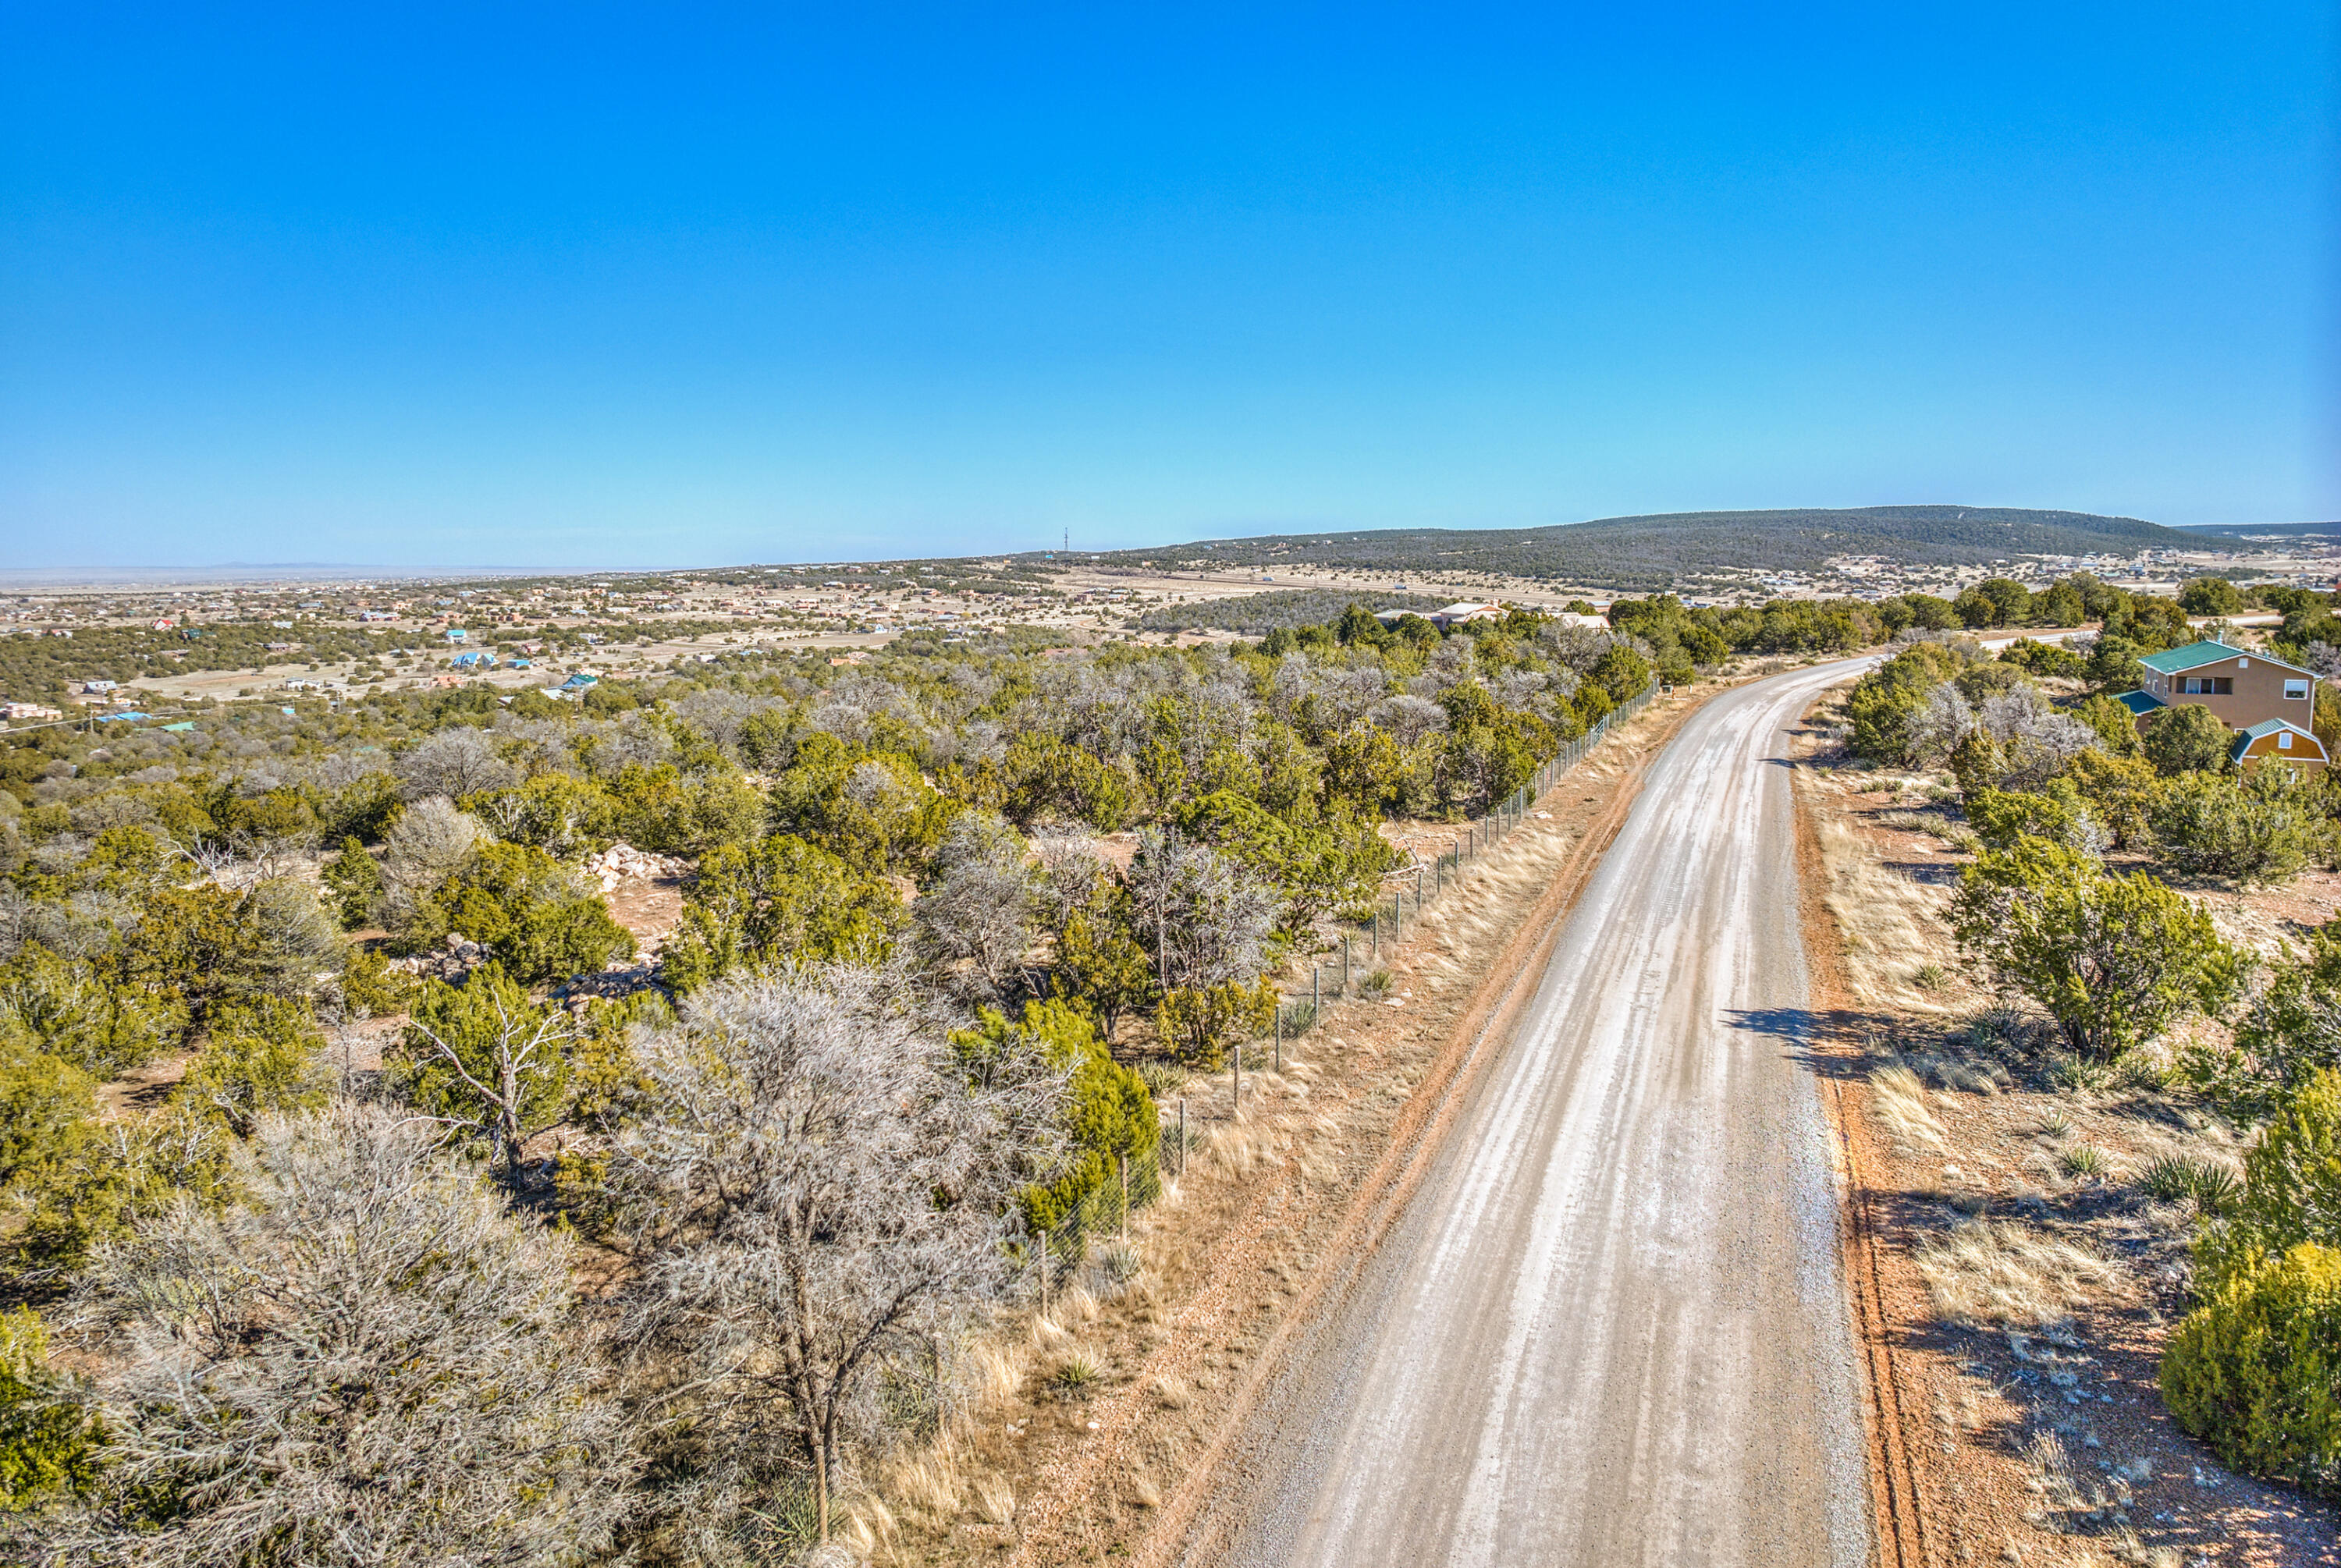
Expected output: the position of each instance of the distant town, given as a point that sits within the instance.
(150, 649)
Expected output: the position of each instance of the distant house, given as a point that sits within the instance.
(580, 681)
(1457, 614)
(2269, 703)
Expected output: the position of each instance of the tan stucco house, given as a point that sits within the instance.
(2268, 702)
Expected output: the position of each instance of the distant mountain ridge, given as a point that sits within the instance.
(1688, 548)
(2268, 529)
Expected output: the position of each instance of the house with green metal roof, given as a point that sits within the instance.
(2270, 703)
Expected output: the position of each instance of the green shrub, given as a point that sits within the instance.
(2083, 1160)
(529, 911)
(2255, 1371)
(101, 1184)
(780, 900)
(354, 881)
(48, 1443)
(1108, 1114)
(1197, 1024)
(2263, 829)
(264, 1056)
(2174, 1177)
(2210, 596)
(371, 988)
(2187, 739)
(2292, 1185)
(2293, 1030)
(47, 1106)
(82, 1016)
(1883, 701)
(2055, 812)
(2115, 960)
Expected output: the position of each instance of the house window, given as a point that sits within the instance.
(2296, 690)
(2283, 740)
(2208, 686)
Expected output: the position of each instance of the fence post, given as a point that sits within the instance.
(1345, 963)
(1279, 1034)
(1239, 1080)
(1125, 1198)
(1182, 1138)
(1316, 993)
(1398, 920)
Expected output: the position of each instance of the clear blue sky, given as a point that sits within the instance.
(592, 285)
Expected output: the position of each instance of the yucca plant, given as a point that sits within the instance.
(2174, 1178)
(1930, 976)
(1073, 1376)
(2083, 1160)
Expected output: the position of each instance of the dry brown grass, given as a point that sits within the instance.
(869, 1524)
(995, 1372)
(1242, 1147)
(929, 1480)
(995, 1500)
(1897, 1099)
(2001, 1274)
(1893, 925)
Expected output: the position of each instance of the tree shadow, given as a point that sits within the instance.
(1834, 1043)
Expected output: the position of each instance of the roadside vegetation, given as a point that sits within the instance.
(658, 1256)
(2129, 1081)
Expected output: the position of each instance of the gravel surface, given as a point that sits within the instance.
(1611, 1328)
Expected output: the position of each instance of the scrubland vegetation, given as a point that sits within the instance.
(650, 1256)
(2091, 844)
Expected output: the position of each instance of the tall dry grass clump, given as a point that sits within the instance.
(2000, 1274)
(1898, 1098)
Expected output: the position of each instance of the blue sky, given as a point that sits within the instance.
(598, 286)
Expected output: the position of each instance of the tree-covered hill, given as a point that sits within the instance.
(1257, 614)
(1685, 548)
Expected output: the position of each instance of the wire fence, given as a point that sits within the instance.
(1055, 1255)
(1432, 882)
(1102, 1214)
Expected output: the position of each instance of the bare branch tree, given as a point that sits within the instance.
(485, 1057)
(455, 763)
(429, 841)
(1207, 917)
(976, 917)
(369, 1363)
(836, 1193)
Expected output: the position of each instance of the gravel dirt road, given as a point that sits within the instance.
(1610, 1328)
